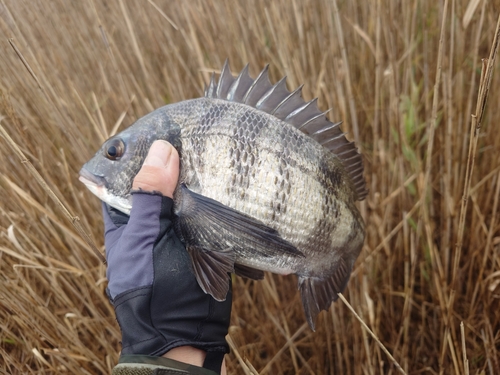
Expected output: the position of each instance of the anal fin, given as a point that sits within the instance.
(318, 293)
(248, 272)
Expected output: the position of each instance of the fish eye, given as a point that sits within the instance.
(114, 149)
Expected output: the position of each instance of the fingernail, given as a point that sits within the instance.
(159, 154)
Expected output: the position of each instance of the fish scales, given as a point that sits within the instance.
(290, 195)
(255, 193)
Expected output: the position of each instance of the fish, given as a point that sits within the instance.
(267, 183)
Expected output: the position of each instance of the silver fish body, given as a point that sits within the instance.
(267, 183)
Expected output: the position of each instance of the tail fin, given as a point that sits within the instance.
(318, 293)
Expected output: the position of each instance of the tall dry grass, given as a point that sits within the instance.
(404, 96)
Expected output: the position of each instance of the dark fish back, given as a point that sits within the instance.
(291, 108)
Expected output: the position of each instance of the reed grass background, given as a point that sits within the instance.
(407, 100)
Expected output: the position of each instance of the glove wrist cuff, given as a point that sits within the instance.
(143, 364)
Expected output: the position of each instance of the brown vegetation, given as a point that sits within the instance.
(99, 65)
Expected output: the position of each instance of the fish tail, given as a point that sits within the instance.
(318, 293)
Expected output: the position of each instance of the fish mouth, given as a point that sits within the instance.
(97, 187)
(94, 183)
(90, 179)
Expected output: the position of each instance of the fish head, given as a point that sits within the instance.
(110, 173)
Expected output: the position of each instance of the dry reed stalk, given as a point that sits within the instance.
(101, 65)
(374, 336)
(482, 98)
(75, 220)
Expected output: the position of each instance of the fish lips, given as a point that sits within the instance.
(96, 185)
(90, 179)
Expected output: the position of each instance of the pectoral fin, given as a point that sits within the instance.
(216, 227)
(211, 269)
(207, 226)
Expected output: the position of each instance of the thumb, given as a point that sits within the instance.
(160, 171)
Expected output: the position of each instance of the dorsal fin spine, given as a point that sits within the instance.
(262, 75)
(210, 90)
(337, 137)
(237, 84)
(225, 81)
(327, 128)
(270, 92)
(340, 148)
(359, 183)
(297, 111)
(355, 165)
(291, 108)
(356, 170)
(308, 105)
(222, 73)
(347, 159)
(297, 91)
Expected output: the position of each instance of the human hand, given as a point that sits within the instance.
(160, 171)
(159, 305)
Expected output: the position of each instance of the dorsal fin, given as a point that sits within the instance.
(212, 86)
(240, 86)
(259, 87)
(225, 81)
(289, 106)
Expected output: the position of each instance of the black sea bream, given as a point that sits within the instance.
(267, 183)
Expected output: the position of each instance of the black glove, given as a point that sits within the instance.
(158, 302)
